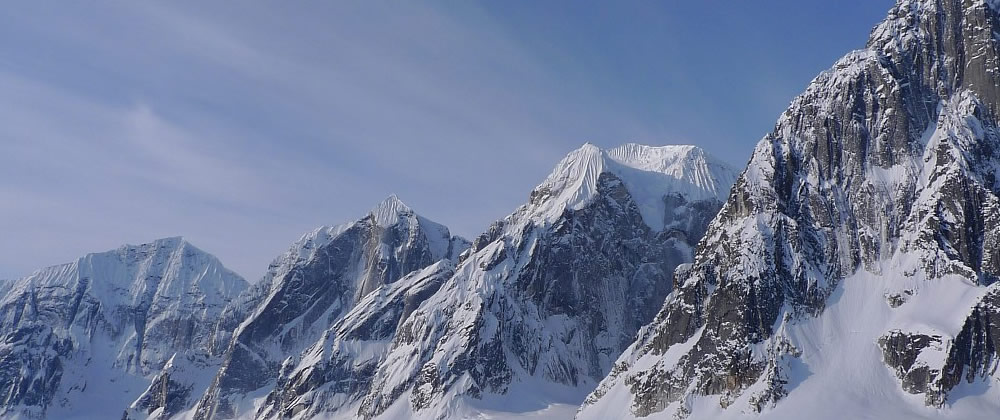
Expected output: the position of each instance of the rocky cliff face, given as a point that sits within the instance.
(882, 177)
(339, 368)
(547, 298)
(78, 338)
(319, 280)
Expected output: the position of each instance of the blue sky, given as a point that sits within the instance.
(241, 128)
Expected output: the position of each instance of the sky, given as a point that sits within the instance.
(241, 126)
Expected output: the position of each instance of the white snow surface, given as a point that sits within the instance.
(649, 174)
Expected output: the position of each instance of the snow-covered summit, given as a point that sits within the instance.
(165, 278)
(650, 173)
(108, 318)
(699, 175)
(165, 268)
(390, 211)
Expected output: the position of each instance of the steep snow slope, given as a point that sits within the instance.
(850, 271)
(81, 340)
(536, 312)
(313, 285)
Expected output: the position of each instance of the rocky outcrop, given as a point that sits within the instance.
(902, 351)
(972, 354)
(975, 351)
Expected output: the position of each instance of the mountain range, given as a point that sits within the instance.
(850, 270)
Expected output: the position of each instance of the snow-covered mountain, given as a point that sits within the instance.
(80, 340)
(316, 283)
(853, 271)
(162, 330)
(535, 313)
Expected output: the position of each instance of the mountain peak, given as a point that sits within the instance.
(649, 173)
(174, 252)
(706, 176)
(168, 248)
(389, 211)
(171, 242)
(955, 41)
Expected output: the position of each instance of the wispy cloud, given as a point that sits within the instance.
(243, 126)
(246, 127)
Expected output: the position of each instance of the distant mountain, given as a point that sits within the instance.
(77, 339)
(853, 271)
